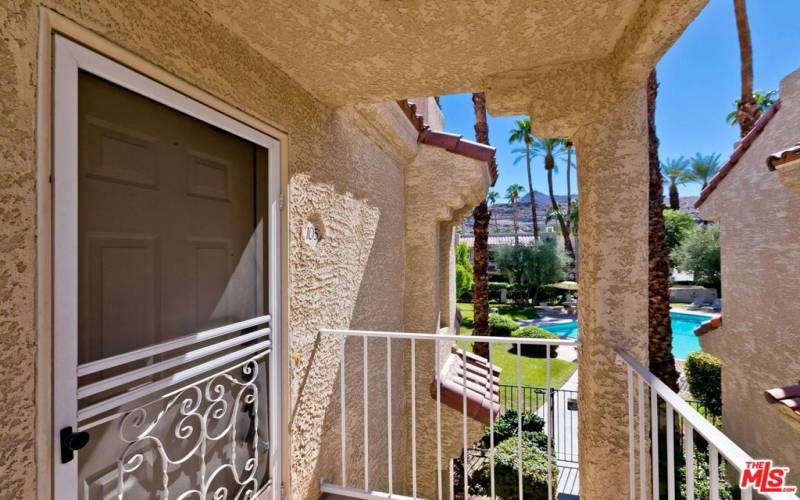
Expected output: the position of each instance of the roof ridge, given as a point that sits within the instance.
(738, 152)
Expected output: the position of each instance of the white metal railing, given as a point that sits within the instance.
(650, 394)
(345, 487)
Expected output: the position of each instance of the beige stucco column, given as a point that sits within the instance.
(613, 185)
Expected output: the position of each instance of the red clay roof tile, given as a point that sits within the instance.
(788, 396)
(782, 157)
(451, 142)
(707, 326)
(481, 385)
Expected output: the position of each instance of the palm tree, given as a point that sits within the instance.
(676, 170)
(523, 134)
(513, 193)
(573, 216)
(661, 361)
(746, 109)
(480, 228)
(568, 147)
(763, 102)
(550, 148)
(491, 198)
(703, 167)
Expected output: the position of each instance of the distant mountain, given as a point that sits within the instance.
(544, 198)
(687, 205)
(501, 212)
(502, 221)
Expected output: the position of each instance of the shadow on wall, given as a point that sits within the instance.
(327, 273)
(379, 306)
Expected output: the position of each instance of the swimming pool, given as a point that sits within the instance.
(684, 340)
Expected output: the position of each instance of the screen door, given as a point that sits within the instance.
(165, 365)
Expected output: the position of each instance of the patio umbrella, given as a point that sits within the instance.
(565, 285)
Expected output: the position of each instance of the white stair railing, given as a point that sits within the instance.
(345, 485)
(647, 397)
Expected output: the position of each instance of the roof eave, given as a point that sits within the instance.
(737, 154)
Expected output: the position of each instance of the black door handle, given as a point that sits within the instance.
(71, 442)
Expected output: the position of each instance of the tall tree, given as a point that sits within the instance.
(747, 110)
(703, 167)
(662, 363)
(513, 194)
(675, 169)
(763, 102)
(480, 229)
(568, 146)
(522, 133)
(549, 148)
(491, 198)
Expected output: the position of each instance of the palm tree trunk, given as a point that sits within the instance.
(662, 363)
(531, 191)
(674, 199)
(514, 220)
(569, 184)
(747, 111)
(480, 228)
(564, 230)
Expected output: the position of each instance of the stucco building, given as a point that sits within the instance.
(757, 340)
(196, 195)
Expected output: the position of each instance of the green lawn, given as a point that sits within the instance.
(533, 369)
(517, 313)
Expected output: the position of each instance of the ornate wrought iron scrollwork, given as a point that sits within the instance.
(202, 415)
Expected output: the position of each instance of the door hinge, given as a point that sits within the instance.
(280, 201)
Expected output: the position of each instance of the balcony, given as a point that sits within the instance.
(672, 450)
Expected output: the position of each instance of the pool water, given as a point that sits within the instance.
(684, 340)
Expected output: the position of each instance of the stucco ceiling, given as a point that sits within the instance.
(369, 50)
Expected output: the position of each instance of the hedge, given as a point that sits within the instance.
(505, 426)
(534, 470)
(534, 332)
(704, 375)
(501, 325)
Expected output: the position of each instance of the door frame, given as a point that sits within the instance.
(59, 60)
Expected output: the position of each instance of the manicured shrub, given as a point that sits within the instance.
(505, 426)
(534, 332)
(501, 325)
(704, 375)
(702, 481)
(534, 470)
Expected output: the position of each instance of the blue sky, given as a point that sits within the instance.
(699, 79)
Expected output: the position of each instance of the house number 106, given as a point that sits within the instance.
(311, 234)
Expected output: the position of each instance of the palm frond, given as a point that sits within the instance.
(703, 167)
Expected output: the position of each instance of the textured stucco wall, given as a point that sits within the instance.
(429, 109)
(613, 283)
(758, 340)
(17, 218)
(339, 176)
